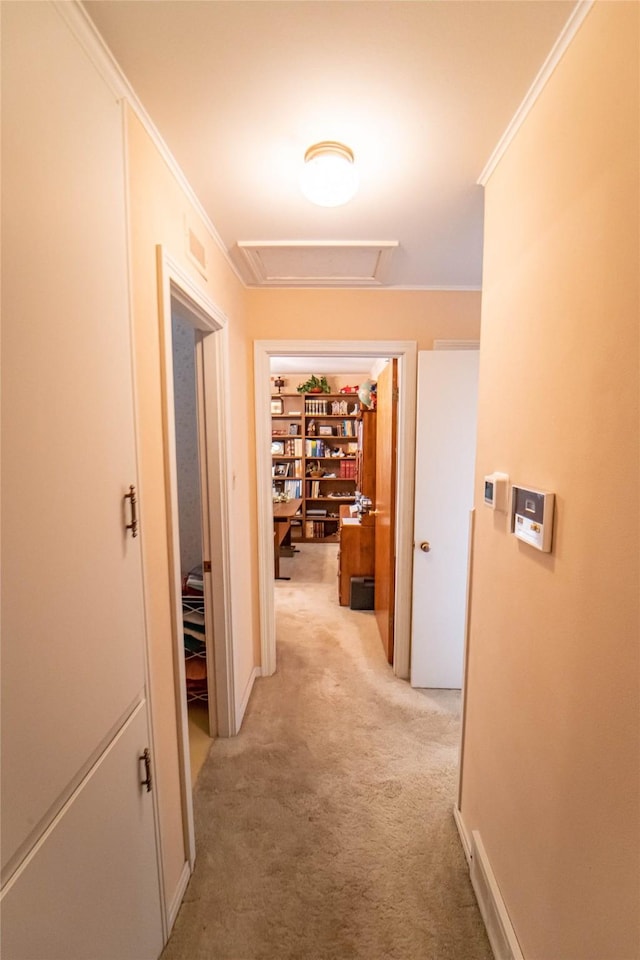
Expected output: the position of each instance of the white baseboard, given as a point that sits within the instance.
(464, 836)
(502, 936)
(244, 703)
(176, 900)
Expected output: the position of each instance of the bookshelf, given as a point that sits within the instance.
(314, 455)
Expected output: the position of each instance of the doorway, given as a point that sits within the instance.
(334, 468)
(193, 536)
(180, 298)
(405, 353)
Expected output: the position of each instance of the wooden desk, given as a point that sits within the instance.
(282, 514)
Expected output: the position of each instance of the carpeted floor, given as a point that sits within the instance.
(325, 829)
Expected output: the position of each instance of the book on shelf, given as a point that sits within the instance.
(320, 529)
(316, 407)
(291, 488)
(284, 445)
(291, 447)
(315, 448)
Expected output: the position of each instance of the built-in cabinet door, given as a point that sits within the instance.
(104, 904)
(72, 614)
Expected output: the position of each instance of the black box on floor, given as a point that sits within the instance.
(362, 593)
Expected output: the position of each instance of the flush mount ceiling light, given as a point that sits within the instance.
(329, 177)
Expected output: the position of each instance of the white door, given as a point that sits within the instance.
(445, 463)
(72, 617)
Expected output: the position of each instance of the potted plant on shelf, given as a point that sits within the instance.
(314, 385)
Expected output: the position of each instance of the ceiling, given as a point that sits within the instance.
(421, 91)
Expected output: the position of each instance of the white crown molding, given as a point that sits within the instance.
(456, 344)
(426, 288)
(393, 287)
(558, 50)
(86, 32)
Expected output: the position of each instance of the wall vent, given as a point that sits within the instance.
(499, 928)
(197, 251)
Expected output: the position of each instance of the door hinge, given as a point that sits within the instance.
(206, 566)
(396, 394)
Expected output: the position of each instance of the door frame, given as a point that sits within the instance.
(175, 284)
(406, 352)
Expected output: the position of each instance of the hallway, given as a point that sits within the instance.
(325, 829)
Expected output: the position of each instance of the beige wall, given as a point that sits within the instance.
(551, 752)
(159, 210)
(421, 315)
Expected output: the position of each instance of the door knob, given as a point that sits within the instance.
(425, 546)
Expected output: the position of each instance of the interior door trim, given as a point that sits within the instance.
(175, 283)
(406, 352)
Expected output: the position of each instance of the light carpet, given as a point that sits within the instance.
(325, 829)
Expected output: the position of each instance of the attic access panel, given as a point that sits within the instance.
(315, 263)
